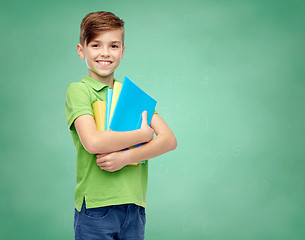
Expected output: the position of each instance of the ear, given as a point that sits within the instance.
(123, 49)
(80, 51)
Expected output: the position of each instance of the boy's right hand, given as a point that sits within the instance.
(146, 129)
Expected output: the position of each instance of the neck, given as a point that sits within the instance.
(108, 80)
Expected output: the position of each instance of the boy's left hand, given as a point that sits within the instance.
(111, 162)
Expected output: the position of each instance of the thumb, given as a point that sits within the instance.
(144, 117)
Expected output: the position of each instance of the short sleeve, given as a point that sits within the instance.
(77, 103)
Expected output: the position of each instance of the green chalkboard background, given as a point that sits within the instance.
(229, 80)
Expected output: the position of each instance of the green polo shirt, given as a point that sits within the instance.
(100, 188)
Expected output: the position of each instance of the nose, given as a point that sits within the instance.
(105, 52)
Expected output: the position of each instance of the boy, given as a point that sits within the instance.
(110, 196)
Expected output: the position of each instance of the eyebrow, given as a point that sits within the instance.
(98, 41)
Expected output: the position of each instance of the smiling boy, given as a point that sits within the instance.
(110, 196)
(101, 65)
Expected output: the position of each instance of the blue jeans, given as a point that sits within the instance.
(123, 222)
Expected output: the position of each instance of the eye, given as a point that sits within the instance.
(94, 45)
(114, 46)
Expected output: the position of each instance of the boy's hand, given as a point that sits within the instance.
(112, 162)
(146, 129)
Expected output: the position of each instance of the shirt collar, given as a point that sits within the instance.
(95, 84)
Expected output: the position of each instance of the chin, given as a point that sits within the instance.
(105, 74)
(101, 74)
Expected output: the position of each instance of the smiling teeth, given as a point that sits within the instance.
(104, 63)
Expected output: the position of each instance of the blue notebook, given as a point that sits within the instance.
(108, 106)
(132, 101)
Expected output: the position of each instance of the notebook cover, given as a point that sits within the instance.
(99, 109)
(131, 103)
(115, 94)
(108, 107)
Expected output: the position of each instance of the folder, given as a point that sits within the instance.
(115, 95)
(99, 108)
(132, 101)
(108, 107)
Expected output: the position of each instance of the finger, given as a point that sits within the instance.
(108, 169)
(100, 155)
(103, 167)
(99, 161)
(105, 164)
(144, 117)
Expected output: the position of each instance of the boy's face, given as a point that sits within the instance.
(103, 55)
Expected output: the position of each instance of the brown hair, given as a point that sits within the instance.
(96, 22)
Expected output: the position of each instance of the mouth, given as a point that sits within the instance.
(104, 63)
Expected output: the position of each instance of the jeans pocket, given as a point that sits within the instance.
(142, 211)
(100, 212)
(142, 215)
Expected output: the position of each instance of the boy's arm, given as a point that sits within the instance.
(110, 141)
(164, 141)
